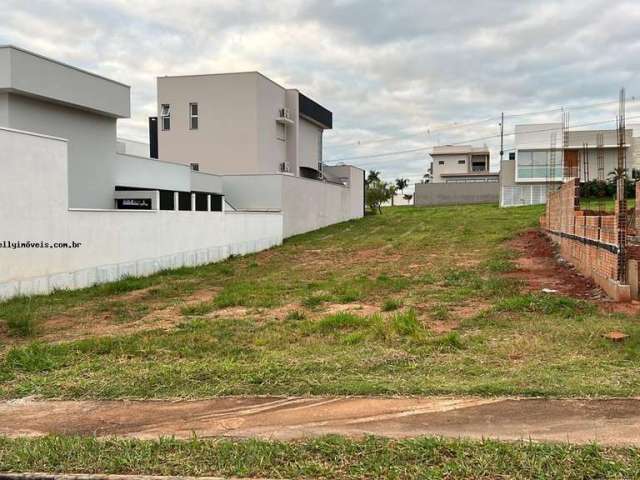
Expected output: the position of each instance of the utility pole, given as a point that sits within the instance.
(501, 138)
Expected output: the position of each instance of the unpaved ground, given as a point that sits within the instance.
(609, 422)
(539, 267)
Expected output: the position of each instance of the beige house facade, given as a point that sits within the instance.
(240, 123)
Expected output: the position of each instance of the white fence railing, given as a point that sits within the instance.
(518, 195)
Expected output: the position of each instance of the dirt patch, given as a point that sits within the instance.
(80, 322)
(359, 309)
(538, 267)
(607, 422)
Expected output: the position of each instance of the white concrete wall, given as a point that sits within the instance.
(4, 109)
(115, 244)
(310, 140)
(131, 171)
(133, 147)
(537, 135)
(206, 182)
(253, 192)
(92, 145)
(309, 204)
(306, 204)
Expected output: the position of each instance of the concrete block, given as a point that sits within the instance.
(34, 286)
(190, 259)
(202, 257)
(107, 273)
(166, 262)
(85, 278)
(61, 281)
(213, 254)
(9, 290)
(177, 260)
(127, 270)
(147, 267)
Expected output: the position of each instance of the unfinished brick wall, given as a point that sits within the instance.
(591, 242)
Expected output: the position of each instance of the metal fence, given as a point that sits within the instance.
(519, 195)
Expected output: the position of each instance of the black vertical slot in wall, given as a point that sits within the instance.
(153, 137)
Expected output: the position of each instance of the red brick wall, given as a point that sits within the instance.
(563, 216)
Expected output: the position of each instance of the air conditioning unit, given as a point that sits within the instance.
(284, 167)
(285, 113)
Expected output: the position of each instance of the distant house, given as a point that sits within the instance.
(460, 174)
(461, 164)
(543, 157)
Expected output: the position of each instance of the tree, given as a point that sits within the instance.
(402, 183)
(376, 193)
(392, 191)
(408, 197)
(426, 178)
(373, 176)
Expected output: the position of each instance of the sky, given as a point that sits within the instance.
(399, 76)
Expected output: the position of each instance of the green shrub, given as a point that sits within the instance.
(340, 321)
(391, 305)
(407, 324)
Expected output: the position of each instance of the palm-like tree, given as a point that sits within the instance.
(373, 176)
(402, 183)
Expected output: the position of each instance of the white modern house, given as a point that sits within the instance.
(544, 155)
(461, 164)
(460, 174)
(67, 179)
(264, 140)
(235, 123)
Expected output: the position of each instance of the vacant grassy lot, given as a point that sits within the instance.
(331, 457)
(414, 301)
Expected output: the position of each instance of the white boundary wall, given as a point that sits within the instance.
(519, 195)
(115, 243)
(306, 204)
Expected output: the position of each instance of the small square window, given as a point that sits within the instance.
(441, 162)
(512, 155)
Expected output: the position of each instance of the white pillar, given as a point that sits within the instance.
(193, 202)
(176, 201)
(155, 204)
(208, 202)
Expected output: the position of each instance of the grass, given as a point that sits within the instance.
(324, 458)
(417, 266)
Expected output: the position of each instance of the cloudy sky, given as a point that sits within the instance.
(399, 76)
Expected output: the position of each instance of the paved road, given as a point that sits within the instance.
(612, 422)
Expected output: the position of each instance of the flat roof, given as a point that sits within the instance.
(458, 149)
(33, 75)
(24, 50)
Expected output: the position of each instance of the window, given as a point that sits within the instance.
(193, 116)
(512, 155)
(195, 167)
(461, 162)
(165, 115)
(536, 164)
(441, 162)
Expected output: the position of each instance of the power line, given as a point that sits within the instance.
(427, 147)
(455, 126)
